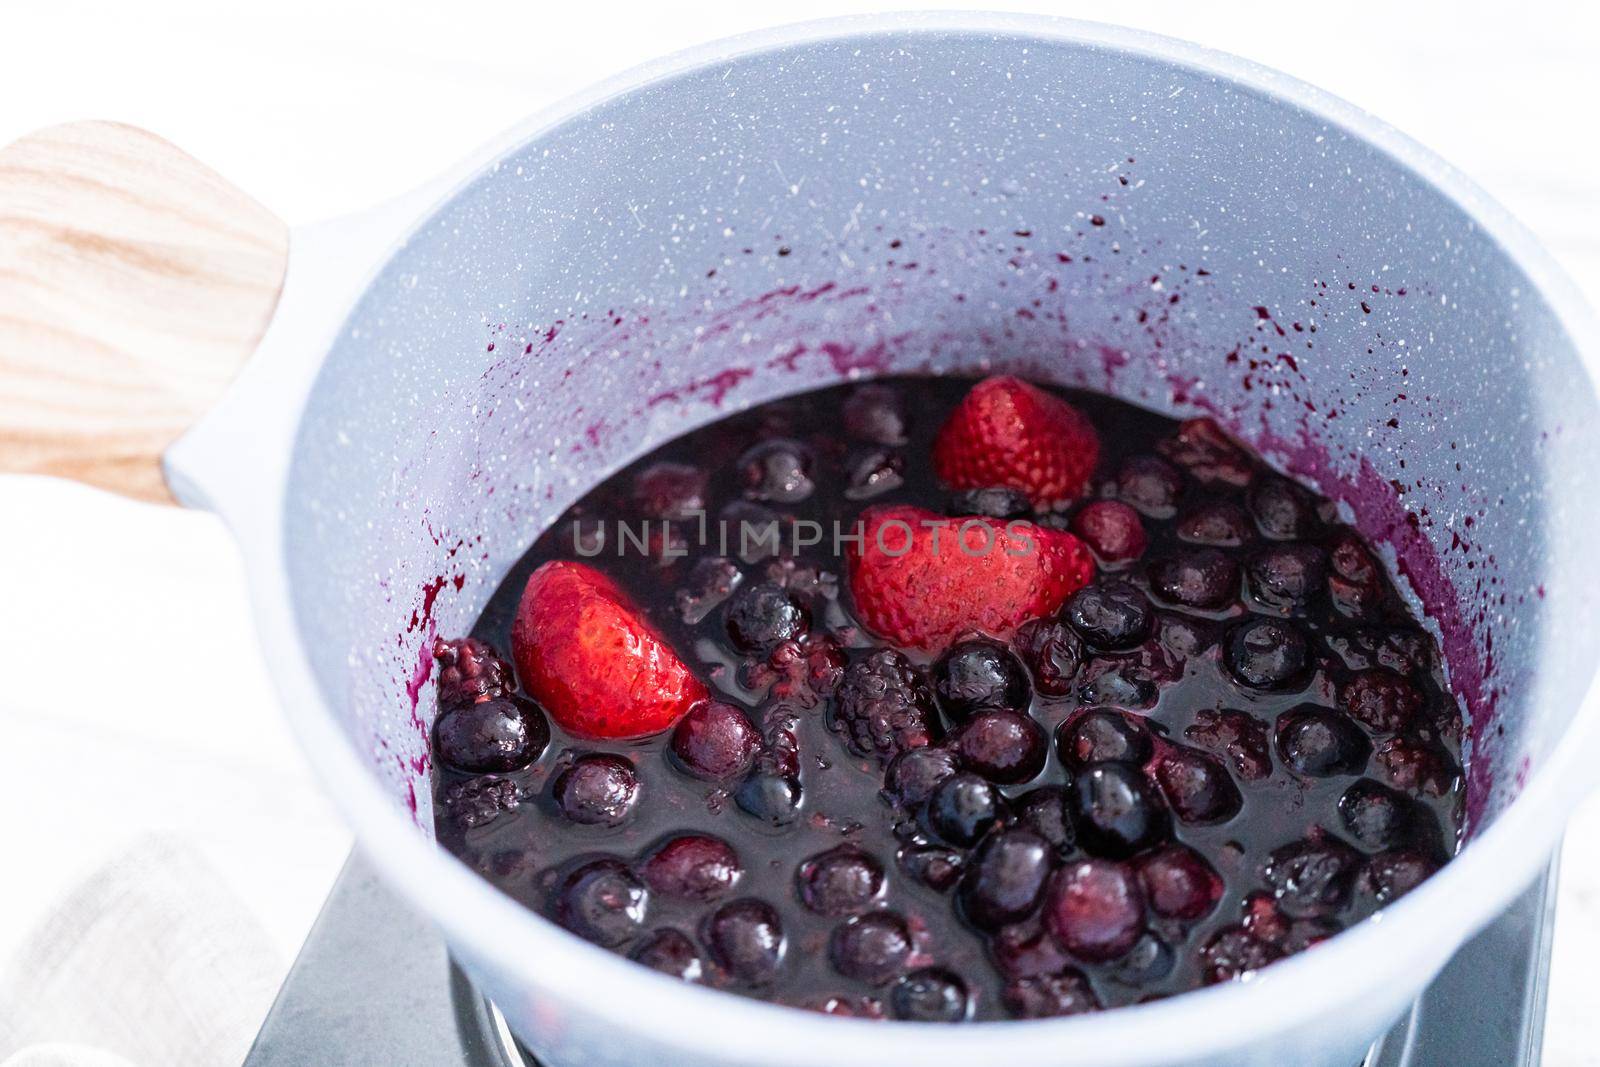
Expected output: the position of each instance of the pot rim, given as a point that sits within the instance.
(1410, 937)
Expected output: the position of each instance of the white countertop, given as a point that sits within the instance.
(135, 697)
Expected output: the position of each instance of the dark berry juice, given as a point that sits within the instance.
(937, 700)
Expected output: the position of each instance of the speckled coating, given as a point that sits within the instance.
(908, 200)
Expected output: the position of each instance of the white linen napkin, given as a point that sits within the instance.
(151, 962)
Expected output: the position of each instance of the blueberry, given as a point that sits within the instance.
(1003, 746)
(1283, 511)
(692, 867)
(597, 790)
(1149, 960)
(930, 995)
(1098, 736)
(1053, 652)
(510, 867)
(1116, 811)
(746, 939)
(762, 617)
(710, 581)
(1217, 523)
(1118, 683)
(671, 953)
(978, 674)
(872, 472)
(1205, 450)
(871, 948)
(498, 734)
(1311, 879)
(668, 490)
(1388, 876)
(1197, 787)
(715, 742)
(1112, 530)
(1196, 578)
(1183, 637)
(603, 902)
(1150, 484)
(1095, 909)
(585, 535)
(1046, 996)
(875, 414)
(1378, 817)
(1319, 742)
(1286, 578)
(841, 881)
(773, 798)
(1113, 616)
(934, 866)
(1006, 879)
(778, 471)
(1381, 699)
(1266, 653)
(1179, 883)
(1047, 811)
(754, 532)
(1026, 949)
(912, 775)
(997, 502)
(963, 808)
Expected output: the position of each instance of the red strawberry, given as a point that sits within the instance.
(1006, 432)
(921, 579)
(595, 664)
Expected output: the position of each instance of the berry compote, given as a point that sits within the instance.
(1148, 717)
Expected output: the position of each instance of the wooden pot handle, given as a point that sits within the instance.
(134, 283)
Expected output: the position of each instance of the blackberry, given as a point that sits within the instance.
(1048, 995)
(883, 707)
(469, 671)
(479, 800)
(1237, 735)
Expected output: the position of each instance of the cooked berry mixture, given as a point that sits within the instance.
(937, 700)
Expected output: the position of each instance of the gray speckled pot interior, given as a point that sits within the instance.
(943, 201)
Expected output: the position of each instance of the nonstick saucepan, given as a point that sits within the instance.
(429, 384)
